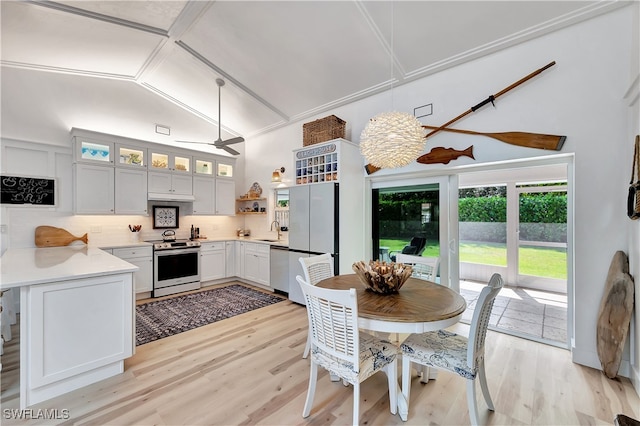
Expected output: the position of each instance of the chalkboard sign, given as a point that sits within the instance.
(27, 190)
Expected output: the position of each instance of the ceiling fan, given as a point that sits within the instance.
(219, 143)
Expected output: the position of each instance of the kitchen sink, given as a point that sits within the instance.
(269, 241)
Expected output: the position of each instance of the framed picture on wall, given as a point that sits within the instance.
(165, 217)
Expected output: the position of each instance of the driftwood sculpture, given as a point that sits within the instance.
(614, 315)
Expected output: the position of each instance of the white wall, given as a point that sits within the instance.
(582, 97)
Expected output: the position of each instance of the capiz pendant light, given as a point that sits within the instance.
(392, 139)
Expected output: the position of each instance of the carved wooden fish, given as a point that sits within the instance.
(444, 155)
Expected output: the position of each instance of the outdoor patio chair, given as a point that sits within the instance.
(338, 346)
(464, 356)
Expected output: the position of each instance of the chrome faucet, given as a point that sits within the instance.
(277, 228)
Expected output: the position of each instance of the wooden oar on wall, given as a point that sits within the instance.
(528, 140)
(370, 168)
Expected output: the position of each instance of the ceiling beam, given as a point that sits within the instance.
(99, 16)
(228, 77)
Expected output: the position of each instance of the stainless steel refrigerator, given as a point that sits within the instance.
(313, 228)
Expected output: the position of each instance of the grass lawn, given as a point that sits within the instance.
(536, 261)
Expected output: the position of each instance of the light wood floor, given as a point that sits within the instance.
(249, 370)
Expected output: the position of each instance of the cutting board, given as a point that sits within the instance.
(50, 236)
(615, 314)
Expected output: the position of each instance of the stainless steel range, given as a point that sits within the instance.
(176, 266)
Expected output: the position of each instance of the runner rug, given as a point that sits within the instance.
(164, 318)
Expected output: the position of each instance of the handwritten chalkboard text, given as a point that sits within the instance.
(27, 190)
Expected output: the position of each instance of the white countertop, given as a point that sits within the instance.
(271, 242)
(28, 266)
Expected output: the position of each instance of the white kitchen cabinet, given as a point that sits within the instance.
(131, 155)
(224, 169)
(204, 165)
(212, 261)
(230, 259)
(225, 197)
(94, 189)
(213, 196)
(204, 191)
(170, 183)
(256, 263)
(131, 191)
(142, 257)
(239, 259)
(174, 162)
(81, 333)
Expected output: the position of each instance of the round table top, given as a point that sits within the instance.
(418, 301)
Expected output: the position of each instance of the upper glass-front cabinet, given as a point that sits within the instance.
(225, 170)
(169, 162)
(204, 167)
(131, 155)
(94, 151)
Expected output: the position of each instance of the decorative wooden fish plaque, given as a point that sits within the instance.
(444, 155)
(50, 236)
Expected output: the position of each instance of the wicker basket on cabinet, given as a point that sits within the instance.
(322, 130)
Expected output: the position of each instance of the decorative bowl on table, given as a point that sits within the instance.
(382, 277)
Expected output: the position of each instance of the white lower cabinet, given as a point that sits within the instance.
(212, 261)
(80, 333)
(256, 262)
(142, 257)
(230, 259)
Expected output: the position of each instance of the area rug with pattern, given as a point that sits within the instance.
(164, 318)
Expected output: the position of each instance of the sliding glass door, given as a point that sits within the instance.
(406, 218)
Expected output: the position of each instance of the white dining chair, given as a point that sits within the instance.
(449, 351)
(338, 346)
(424, 267)
(316, 269)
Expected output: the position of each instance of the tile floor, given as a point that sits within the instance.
(523, 312)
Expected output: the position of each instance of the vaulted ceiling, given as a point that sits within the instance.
(121, 67)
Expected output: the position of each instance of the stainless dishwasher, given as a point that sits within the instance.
(279, 266)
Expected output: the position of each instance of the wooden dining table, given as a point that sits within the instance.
(418, 307)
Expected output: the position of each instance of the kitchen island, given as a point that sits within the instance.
(76, 317)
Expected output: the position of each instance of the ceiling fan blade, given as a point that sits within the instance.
(229, 141)
(229, 150)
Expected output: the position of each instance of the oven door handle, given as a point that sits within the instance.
(169, 252)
